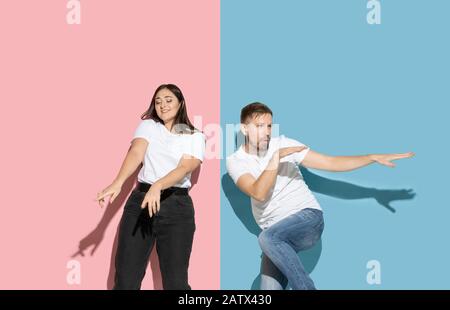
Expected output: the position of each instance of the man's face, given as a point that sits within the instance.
(258, 130)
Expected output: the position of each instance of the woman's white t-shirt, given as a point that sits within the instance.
(165, 150)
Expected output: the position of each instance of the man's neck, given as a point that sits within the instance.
(252, 150)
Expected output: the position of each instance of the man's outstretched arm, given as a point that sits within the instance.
(320, 161)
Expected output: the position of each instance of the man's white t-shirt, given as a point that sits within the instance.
(165, 150)
(290, 193)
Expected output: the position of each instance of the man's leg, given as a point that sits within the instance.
(271, 277)
(281, 242)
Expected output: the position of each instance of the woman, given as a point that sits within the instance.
(159, 210)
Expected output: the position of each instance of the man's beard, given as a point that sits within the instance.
(261, 148)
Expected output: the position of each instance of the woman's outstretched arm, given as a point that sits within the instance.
(133, 159)
(320, 161)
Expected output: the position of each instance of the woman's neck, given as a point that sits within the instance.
(169, 125)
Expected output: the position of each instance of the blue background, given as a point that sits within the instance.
(344, 87)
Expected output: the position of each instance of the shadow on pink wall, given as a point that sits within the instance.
(95, 237)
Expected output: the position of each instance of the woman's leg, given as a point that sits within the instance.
(281, 242)
(135, 244)
(174, 228)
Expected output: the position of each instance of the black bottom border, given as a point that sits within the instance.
(223, 298)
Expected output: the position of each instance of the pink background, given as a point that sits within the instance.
(71, 97)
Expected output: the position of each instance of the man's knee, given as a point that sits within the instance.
(266, 238)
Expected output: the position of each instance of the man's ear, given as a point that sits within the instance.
(244, 129)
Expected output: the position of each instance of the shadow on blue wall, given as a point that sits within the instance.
(242, 207)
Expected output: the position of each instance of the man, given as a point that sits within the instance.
(266, 169)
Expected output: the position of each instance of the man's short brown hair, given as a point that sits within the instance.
(252, 109)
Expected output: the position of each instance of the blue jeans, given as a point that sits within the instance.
(280, 244)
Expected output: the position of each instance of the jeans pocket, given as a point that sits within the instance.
(308, 215)
(183, 205)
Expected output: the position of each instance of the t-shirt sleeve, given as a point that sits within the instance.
(197, 146)
(298, 156)
(144, 130)
(236, 168)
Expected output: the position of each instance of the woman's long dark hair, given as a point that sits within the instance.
(182, 122)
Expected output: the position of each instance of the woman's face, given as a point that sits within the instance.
(166, 105)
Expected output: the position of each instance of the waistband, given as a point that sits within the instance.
(144, 187)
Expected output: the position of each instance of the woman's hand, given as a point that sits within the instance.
(152, 198)
(385, 159)
(112, 190)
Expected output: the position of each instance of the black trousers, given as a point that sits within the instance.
(171, 229)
